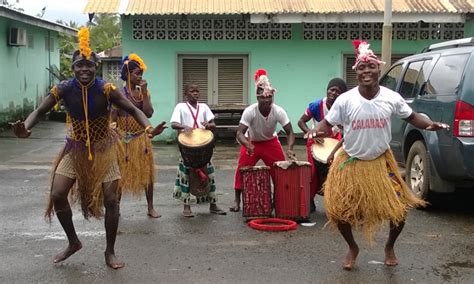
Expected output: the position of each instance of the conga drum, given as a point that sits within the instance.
(320, 154)
(196, 147)
(256, 192)
(292, 190)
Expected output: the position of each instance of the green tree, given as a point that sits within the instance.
(67, 45)
(105, 32)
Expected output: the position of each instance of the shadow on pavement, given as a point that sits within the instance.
(458, 202)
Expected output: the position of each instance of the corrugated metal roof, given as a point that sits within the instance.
(102, 6)
(216, 7)
(13, 14)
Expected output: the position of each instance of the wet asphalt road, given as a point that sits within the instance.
(436, 246)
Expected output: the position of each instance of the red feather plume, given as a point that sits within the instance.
(259, 73)
(356, 43)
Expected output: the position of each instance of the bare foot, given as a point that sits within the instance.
(390, 258)
(350, 259)
(70, 250)
(112, 261)
(153, 214)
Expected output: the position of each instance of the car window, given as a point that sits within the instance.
(415, 76)
(390, 79)
(422, 77)
(410, 79)
(446, 75)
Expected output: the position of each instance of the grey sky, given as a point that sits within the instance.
(65, 10)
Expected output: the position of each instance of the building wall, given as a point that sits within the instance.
(24, 80)
(299, 69)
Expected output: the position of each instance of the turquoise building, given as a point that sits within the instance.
(28, 46)
(302, 44)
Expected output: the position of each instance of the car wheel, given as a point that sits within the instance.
(418, 170)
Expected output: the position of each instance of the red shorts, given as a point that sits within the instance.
(269, 151)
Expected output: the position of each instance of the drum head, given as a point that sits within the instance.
(286, 164)
(254, 168)
(321, 152)
(196, 138)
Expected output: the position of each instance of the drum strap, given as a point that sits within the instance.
(195, 116)
(202, 173)
(321, 110)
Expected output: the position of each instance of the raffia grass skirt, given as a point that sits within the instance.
(367, 194)
(136, 164)
(90, 175)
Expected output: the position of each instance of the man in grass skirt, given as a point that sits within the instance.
(88, 159)
(364, 188)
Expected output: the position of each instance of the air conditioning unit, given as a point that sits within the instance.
(17, 37)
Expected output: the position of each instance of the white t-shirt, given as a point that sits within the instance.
(367, 130)
(262, 128)
(183, 115)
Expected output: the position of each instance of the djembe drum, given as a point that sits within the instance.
(196, 149)
(292, 190)
(256, 192)
(321, 152)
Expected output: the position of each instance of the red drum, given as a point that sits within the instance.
(256, 192)
(292, 190)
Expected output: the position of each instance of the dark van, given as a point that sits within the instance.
(438, 83)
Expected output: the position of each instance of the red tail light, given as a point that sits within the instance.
(463, 120)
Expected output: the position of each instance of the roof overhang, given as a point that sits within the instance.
(35, 21)
(256, 7)
(358, 18)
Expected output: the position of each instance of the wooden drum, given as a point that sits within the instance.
(292, 190)
(320, 154)
(322, 151)
(196, 147)
(256, 192)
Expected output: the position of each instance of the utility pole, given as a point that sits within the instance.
(387, 35)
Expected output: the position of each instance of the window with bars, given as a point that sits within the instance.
(111, 71)
(222, 79)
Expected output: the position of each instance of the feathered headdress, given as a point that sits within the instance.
(137, 59)
(84, 48)
(131, 62)
(262, 84)
(364, 53)
(84, 52)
